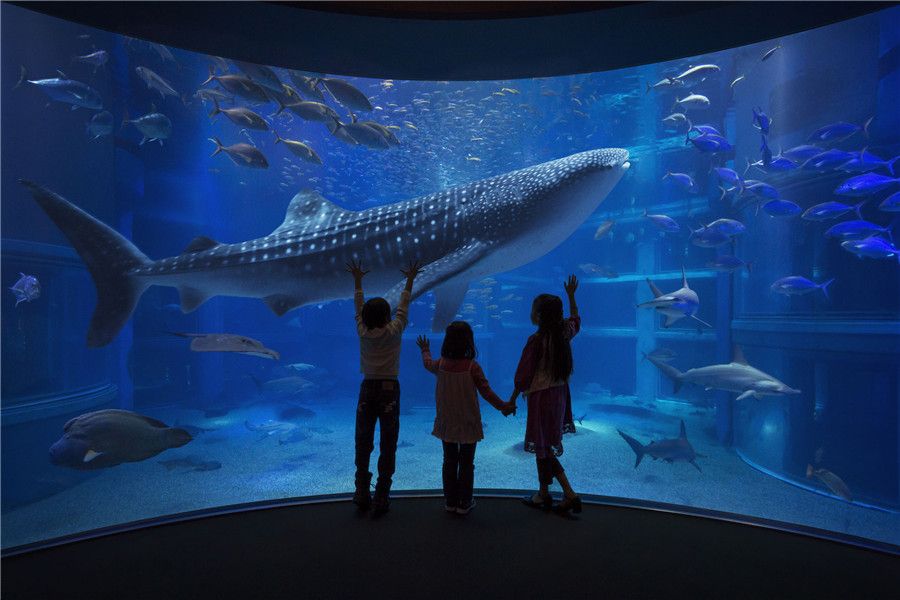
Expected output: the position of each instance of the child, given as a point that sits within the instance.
(379, 394)
(458, 420)
(543, 376)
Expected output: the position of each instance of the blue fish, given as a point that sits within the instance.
(871, 247)
(825, 161)
(781, 208)
(709, 142)
(709, 238)
(837, 132)
(761, 189)
(866, 184)
(26, 289)
(802, 153)
(703, 129)
(726, 226)
(830, 210)
(761, 121)
(891, 203)
(65, 90)
(682, 179)
(796, 285)
(866, 161)
(727, 175)
(726, 263)
(777, 164)
(665, 223)
(856, 230)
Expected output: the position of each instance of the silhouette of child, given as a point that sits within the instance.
(543, 376)
(379, 394)
(458, 420)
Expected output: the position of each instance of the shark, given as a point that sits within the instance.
(737, 376)
(459, 234)
(668, 450)
(677, 305)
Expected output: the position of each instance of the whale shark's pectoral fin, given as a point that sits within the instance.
(191, 298)
(746, 395)
(281, 303)
(448, 298)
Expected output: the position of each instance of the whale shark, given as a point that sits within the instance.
(460, 234)
(677, 305)
(737, 376)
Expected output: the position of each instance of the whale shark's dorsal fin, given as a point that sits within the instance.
(684, 282)
(200, 243)
(682, 432)
(309, 206)
(654, 289)
(737, 356)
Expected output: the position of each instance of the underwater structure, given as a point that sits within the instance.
(178, 331)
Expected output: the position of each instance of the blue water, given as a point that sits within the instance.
(841, 351)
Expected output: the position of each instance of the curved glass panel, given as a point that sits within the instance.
(203, 171)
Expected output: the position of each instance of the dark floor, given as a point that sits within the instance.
(501, 550)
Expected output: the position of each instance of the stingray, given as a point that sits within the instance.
(228, 342)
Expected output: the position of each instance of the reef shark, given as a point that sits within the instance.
(677, 305)
(737, 376)
(462, 233)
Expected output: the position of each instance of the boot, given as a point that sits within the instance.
(381, 503)
(362, 498)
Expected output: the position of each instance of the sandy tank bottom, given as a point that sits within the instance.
(597, 460)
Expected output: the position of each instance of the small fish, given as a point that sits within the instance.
(826, 161)
(856, 230)
(866, 161)
(676, 119)
(240, 116)
(865, 185)
(155, 82)
(242, 154)
(761, 121)
(727, 226)
(26, 289)
(781, 208)
(604, 228)
(100, 125)
(684, 180)
(836, 132)
(698, 74)
(155, 127)
(725, 263)
(693, 101)
(663, 83)
(871, 247)
(299, 149)
(802, 153)
(261, 75)
(581, 418)
(834, 483)
(663, 222)
(709, 142)
(709, 238)
(738, 79)
(761, 189)
(891, 203)
(473, 159)
(830, 210)
(95, 59)
(768, 54)
(346, 94)
(727, 175)
(65, 90)
(796, 285)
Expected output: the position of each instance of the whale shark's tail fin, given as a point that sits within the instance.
(668, 370)
(109, 258)
(635, 445)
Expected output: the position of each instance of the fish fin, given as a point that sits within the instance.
(654, 289)
(109, 257)
(669, 371)
(737, 355)
(61, 74)
(671, 320)
(448, 298)
(306, 206)
(866, 126)
(218, 144)
(824, 287)
(199, 244)
(858, 207)
(682, 432)
(636, 446)
(696, 466)
(153, 422)
(90, 455)
(745, 395)
(281, 303)
(684, 281)
(191, 298)
(144, 140)
(23, 75)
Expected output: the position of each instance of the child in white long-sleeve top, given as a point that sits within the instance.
(457, 422)
(379, 394)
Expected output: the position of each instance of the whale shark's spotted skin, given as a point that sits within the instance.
(461, 233)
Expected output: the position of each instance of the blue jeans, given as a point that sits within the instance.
(379, 400)
(458, 472)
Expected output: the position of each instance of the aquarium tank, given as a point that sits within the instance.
(175, 230)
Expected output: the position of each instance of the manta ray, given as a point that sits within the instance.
(460, 234)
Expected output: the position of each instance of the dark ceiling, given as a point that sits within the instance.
(455, 40)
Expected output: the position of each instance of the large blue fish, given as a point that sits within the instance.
(65, 90)
(865, 185)
(802, 153)
(683, 180)
(856, 230)
(797, 285)
(866, 161)
(891, 203)
(710, 142)
(781, 208)
(663, 222)
(837, 132)
(460, 234)
(871, 247)
(830, 210)
(727, 175)
(825, 161)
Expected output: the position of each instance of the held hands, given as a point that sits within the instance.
(355, 269)
(570, 285)
(508, 408)
(423, 343)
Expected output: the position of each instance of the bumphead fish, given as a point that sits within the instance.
(460, 234)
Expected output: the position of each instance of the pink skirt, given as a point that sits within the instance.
(549, 417)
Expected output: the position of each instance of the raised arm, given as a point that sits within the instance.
(570, 286)
(355, 269)
(425, 346)
(401, 318)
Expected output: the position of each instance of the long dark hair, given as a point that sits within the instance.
(459, 341)
(547, 310)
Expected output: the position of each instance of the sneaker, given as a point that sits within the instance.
(465, 507)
